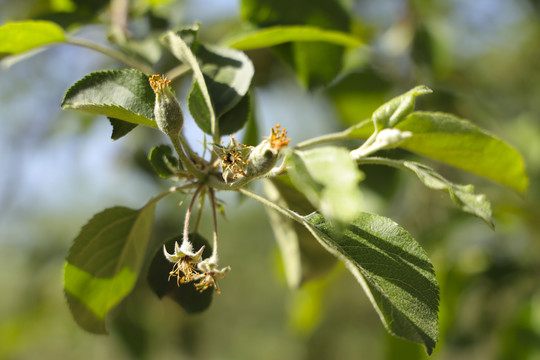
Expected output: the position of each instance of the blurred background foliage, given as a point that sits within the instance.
(481, 58)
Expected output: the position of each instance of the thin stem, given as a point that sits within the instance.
(337, 136)
(213, 204)
(366, 148)
(382, 161)
(200, 209)
(185, 239)
(289, 213)
(170, 191)
(190, 152)
(119, 20)
(188, 163)
(112, 53)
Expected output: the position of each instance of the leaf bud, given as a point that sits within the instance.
(392, 112)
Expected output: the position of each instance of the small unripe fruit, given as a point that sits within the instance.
(265, 155)
(167, 112)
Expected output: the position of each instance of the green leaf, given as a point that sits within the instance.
(120, 94)
(162, 160)
(222, 77)
(358, 94)
(104, 263)
(392, 268)
(462, 195)
(392, 112)
(316, 63)
(120, 128)
(235, 119)
(329, 178)
(282, 34)
(251, 133)
(462, 144)
(180, 43)
(459, 143)
(303, 259)
(185, 295)
(18, 37)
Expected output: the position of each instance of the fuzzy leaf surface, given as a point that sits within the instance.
(119, 94)
(104, 263)
(393, 270)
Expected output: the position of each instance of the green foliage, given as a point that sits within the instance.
(303, 259)
(459, 143)
(18, 37)
(105, 262)
(395, 110)
(283, 34)
(315, 63)
(329, 178)
(462, 195)
(120, 94)
(120, 128)
(163, 161)
(222, 79)
(462, 144)
(393, 270)
(315, 201)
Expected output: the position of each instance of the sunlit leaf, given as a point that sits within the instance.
(393, 270)
(282, 34)
(459, 143)
(18, 37)
(104, 263)
(329, 178)
(462, 144)
(316, 63)
(120, 94)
